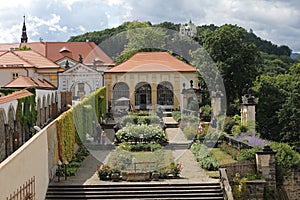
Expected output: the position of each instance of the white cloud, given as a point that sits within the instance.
(57, 20)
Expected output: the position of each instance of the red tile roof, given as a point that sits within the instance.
(152, 62)
(58, 50)
(15, 96)
(24, 81)
(28, 58)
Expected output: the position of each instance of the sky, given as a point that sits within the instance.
(57, 20)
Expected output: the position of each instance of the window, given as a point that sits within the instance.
(14, 75)
(165, 94)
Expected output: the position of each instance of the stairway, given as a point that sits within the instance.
(207, 191)
(99, 146)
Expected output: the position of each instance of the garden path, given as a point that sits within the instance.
(191, 172)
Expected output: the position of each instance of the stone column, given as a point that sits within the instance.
(248, 112)
(216, 103)
(266, 166)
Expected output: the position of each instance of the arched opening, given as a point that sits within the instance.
(165, 95)
(2, 135)
(143, 98)
(120, 91)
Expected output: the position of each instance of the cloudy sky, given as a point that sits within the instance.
(57, 20)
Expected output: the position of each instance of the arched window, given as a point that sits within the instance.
(121, 89)
(165, 94)
(143, 95)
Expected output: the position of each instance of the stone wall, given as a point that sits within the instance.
(241, 167)
(292, 185)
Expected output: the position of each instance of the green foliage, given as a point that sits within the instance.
(24, 48)
(235, 58)
(238, 129)
(26, 112)
(230, 150)
(204, 157)
(142, 134)
(140, 147)
(277, 110)
(229, 123)
(140, 119)
(176, 115)
(188, 120)
(193, 105)
(248, 154)
(205, 112)
(190, 132)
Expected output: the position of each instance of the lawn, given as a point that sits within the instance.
(139, 161)
(223, 158)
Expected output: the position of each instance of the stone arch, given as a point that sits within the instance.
(120, 89)
(165, 93)
(80, 89)
(38, 110)
(52, 101)
(48, 107)
(10, 131)
(143, 95)
(43, 110)
(2, 134)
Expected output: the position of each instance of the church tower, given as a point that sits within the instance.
(24, 37)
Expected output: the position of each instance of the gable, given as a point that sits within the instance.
(80, 69)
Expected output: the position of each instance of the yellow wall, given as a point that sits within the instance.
(132, 79)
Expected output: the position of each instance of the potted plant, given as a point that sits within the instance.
(104, 172)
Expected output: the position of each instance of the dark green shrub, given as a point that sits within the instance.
(228, 126)
(248, 154)
(176, 115)
(205, 113)
(209, 163)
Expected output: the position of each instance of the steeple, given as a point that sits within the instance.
(24, 37)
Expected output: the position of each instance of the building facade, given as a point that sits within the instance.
(150, 80)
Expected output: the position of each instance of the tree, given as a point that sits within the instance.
(142, 37)
(236, 60)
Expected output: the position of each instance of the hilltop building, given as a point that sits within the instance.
(188, 30)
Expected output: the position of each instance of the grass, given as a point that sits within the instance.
(223, 158)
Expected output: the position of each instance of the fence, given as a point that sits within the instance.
(236, 144)
(25, 192)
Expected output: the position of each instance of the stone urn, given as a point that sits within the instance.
(115, 177)
(155, 176)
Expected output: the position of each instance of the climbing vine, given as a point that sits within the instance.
(26, 112)
(74, 124)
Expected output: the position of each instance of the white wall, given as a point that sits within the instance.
(30, 160)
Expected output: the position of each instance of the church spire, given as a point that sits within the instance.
(24, 37)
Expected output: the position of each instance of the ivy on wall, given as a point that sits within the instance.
(26, 113)
(75, 123)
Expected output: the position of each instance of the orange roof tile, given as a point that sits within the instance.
(28, 58)
(24, 81)
(15, 96)
(38, 60)
(152, 62)
(58, 50)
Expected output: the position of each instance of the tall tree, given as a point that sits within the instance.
(237, 60)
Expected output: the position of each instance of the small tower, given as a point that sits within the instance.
(24, 37)
(188, 30)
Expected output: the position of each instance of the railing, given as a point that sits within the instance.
(236, 143)
(225, 185)
(25, 192)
